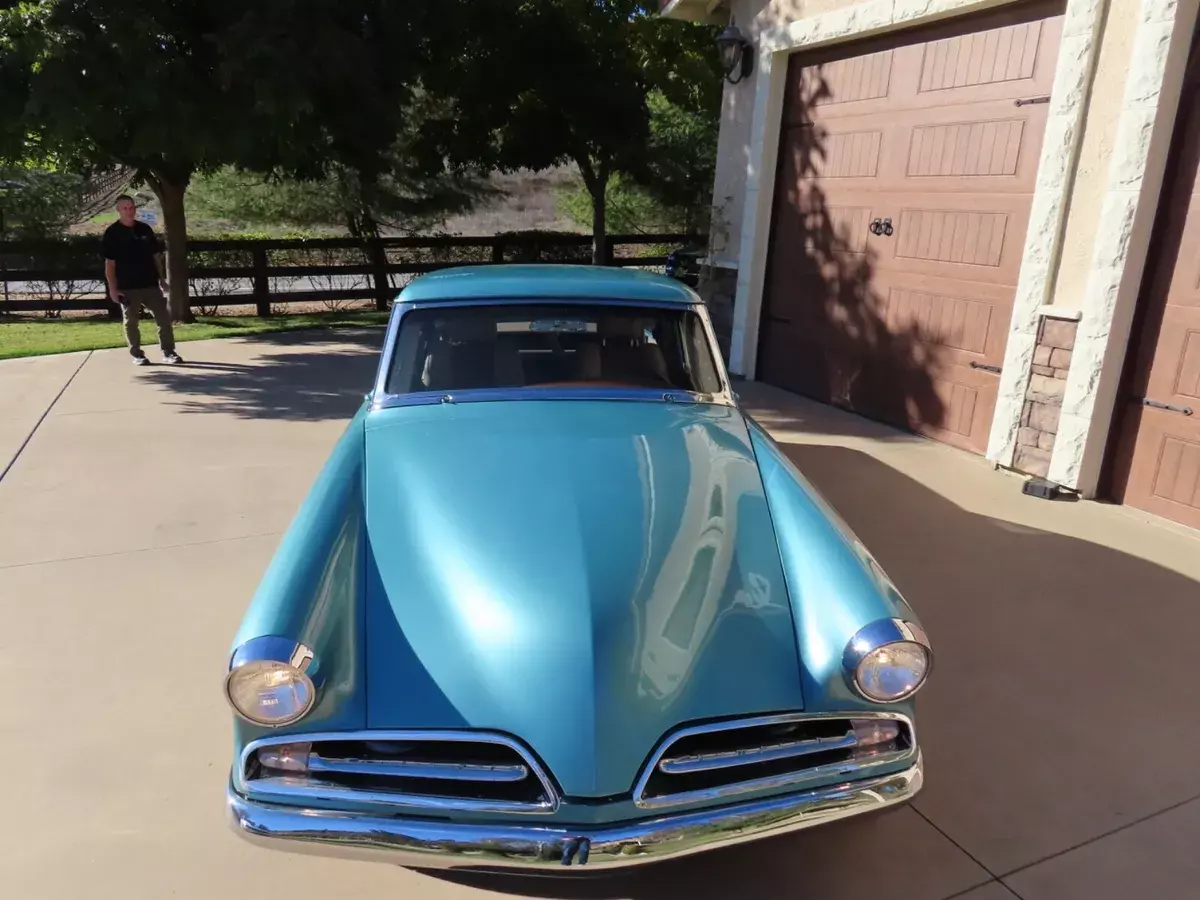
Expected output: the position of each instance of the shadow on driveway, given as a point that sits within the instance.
(324, 376)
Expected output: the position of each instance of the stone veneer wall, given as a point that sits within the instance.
(1044, 395)
(718, 287)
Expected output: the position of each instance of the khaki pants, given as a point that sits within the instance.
(132, 301)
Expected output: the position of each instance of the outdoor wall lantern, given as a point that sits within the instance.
(736, 58)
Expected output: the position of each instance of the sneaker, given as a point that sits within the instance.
(140, 361)
(172, 358)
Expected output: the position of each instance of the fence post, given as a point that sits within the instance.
(262, 284)
(608, 253)
(379, 262)
(498, 252)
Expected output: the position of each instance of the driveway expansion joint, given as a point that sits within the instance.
(42, 418)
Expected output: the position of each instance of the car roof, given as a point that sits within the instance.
(539, 282)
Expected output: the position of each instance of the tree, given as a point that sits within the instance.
(541, 82)
(684, 72)
(132, 82)
(536, 83)
(672, 189)
(37, 202)
(302, 88)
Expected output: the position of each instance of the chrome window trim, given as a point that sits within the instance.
(381, 399)
(846, 770)
(273, 648)
(290, 787)
(485, 395)
(878, 634)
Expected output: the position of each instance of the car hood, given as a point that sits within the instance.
(582, 575)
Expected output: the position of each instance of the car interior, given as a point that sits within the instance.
(484, 347)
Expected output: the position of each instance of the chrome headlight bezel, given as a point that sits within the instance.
(874, 637)
(272, 652)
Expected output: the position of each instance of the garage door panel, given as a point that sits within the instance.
(942, 321)
(1175, 373)
(804, 361)
(1008, 58)
(939, 320)
(847, 155)
(947, 403)
(1001, 64)
(968, 237)
(812, 238)
(1164, 476)
(966, 151)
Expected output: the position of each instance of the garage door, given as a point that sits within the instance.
(906, 170)
(1158, 457)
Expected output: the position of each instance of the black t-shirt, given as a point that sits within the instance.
(133, 250)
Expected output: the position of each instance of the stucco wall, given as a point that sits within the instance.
(1095, 153)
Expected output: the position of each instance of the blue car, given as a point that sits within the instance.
(557, 602)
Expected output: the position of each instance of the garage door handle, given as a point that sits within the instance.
(1155, 404)
(985, 367)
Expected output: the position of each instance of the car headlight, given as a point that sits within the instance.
(270, 681)
(888, 660)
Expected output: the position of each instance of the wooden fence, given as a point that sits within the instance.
(56, 276)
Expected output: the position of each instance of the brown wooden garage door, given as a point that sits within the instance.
(907, 166)
(1158, 451)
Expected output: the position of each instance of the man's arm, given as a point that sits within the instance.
(108, 251)
(110, 275)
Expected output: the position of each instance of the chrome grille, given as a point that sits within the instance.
(723, 759)
(429, 770)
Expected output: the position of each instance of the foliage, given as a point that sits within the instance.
(37, 203)
(541, 82)
(680, 165)
(544, 81)
(337, 199)
(631, 209)
(671, 189)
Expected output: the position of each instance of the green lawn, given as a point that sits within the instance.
(37, 337)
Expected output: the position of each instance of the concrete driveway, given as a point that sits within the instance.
(1059, 728)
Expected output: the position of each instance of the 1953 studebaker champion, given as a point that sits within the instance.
(557, 601)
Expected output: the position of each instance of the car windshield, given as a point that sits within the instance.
(455, 348)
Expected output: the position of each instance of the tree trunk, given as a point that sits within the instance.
(170, 194)
(599, 213)
(599, 239)
(595, 179)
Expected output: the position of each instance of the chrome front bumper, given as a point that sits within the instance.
(447, 845)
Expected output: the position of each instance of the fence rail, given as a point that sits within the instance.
(56, 276)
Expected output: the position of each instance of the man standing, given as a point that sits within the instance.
(133, 267)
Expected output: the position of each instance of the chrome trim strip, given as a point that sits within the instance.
(450, 845)
(402, 768)
(878, 634)
(710, 762)
(292, 787)
(852, 769)
(485, 395)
